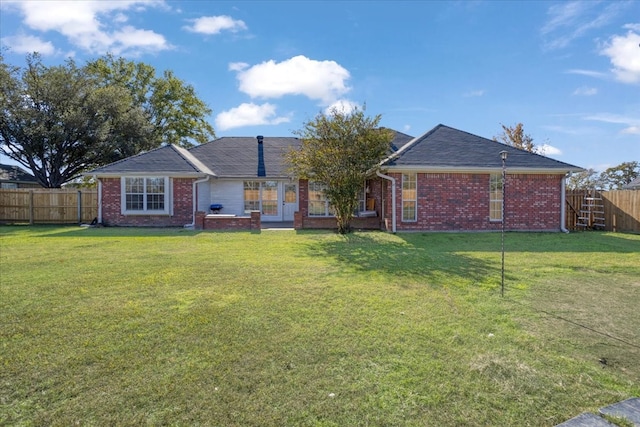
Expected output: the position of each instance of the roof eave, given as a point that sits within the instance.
(147, 174)
(465, 169)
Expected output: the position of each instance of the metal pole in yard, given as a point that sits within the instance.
(503, 156)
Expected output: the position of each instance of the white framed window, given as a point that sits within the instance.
(409, 197)
(261, 196)
(495, 198)
(318, 203)
(251, 196)
(145, 195)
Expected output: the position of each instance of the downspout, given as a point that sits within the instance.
(563, 206)
(393, 199)
(195, 201)
(99, 199)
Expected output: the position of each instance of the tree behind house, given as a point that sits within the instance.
(613, 178)
(62, 120)
(340, 149)
(515, 136)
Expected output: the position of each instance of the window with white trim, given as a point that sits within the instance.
(251, 196)
(145, 195)
(495, 198)
(318, 202)
(409, 197)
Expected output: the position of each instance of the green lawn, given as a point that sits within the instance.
(115, 326)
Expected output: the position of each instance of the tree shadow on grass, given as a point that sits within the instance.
(401, 257)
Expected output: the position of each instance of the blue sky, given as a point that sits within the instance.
(569, 71)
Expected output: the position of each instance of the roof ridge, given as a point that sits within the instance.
(409, 144)
(192, 160)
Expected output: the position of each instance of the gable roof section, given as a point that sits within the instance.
(237, 157)
(169, 159)
(12, 173)
(446, 148)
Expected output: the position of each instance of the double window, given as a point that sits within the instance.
(261, 196)
(318, 203)
(145, 195)
(495, 198)
(409, 197)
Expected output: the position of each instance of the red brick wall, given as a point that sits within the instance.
(222, 222)
(182, 206)
(448, 202)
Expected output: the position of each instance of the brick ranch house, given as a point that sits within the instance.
(443, 180)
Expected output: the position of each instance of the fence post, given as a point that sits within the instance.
(30, 207)
(79, 206)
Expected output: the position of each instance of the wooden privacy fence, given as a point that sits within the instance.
(48, 206)
(621, 209)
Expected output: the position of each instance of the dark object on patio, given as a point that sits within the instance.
(215, 208)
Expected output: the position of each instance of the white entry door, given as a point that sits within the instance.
(289, 201)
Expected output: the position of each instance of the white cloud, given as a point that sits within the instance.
(635, 27)
(588, 73)
(631, 124)
(320, 80)
(586, 91)
(568, 21)
(28, 44)
(249, 114)
(547, 150)
(632, 130)
(238, 66)
(215, 25)
(474, 93)
(94, 26)
(343, 106)
(624, 54)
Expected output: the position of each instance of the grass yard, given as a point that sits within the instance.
(116, 326)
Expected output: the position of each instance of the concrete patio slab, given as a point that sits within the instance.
(586, 420)
(629, 409)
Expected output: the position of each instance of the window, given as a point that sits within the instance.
(251, 196)
(495, 198)
(270, 198)
(409, 197)
(145, 195)
(318, 203)
(261, 196)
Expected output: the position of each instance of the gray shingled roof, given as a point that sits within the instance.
(169, 159)
(444, 147)
(237, 157)
(14, 173)
(633, 185)
(399, 140)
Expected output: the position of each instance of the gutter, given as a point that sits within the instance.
(195, 201)
(563, 206)
(393, 199)
(95, 177)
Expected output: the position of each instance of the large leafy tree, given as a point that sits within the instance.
(171, 106)
(61, 120)
(515, 136)
(614, 178)
(340, 149)
(586, 180)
